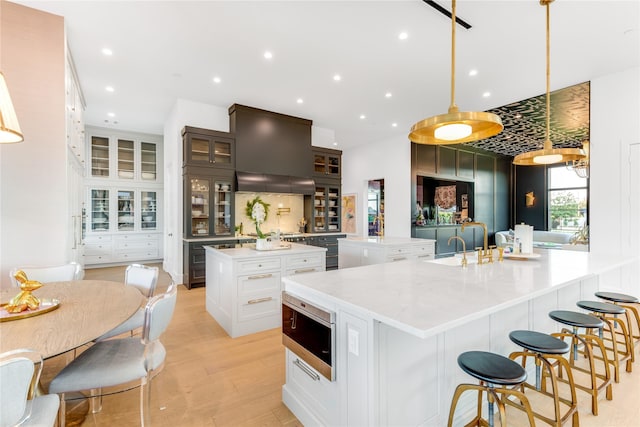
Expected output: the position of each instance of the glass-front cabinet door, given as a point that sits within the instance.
(99, 156)
(200, 191)
(148, 212)
(206, 147)
(126, 163)
(148, 161)
(211, 209)
(126, 210)
(326, 208)
(99, 214)
(222, 196)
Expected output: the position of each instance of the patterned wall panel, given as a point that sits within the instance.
(525, 122)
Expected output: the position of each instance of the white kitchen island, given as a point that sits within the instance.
(244, 285)
(401, 326)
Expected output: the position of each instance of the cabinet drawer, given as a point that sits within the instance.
(304, 269)
(260, 305)
(252, 284)
(257, 266)
(398, 257)
(399, 250)
(97, 259)
(137, 237)
(136, 255)
(136, 244)
(302, 260)
(427, 248)
(98, 248)
(311, 387)
(93, 238)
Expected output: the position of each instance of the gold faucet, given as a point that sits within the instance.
(464, 249)
(485, 252)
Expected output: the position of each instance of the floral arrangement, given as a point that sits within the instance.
(257, 210)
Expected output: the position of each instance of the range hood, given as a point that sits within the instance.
(269, 183)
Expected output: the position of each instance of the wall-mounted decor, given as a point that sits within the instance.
(530, 199)
(349, 209)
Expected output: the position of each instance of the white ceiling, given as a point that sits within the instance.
(166, 50)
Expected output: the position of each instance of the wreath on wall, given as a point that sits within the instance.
(257, 210)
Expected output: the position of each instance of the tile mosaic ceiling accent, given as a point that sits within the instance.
(525, 122)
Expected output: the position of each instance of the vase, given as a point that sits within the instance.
(263, 244)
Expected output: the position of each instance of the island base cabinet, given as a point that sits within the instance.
(313, 399)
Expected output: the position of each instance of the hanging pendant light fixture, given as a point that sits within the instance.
(548, 155)
(9, 127)
(455, 127)
(581, 167)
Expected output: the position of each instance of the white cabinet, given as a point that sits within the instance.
(74, 113)
(121, 248)
(244, 286)
(130, 157)
(354, 252)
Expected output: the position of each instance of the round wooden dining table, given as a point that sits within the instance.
(87, 309)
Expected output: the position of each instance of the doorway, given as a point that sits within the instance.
(375, 207)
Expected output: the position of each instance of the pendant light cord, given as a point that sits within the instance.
(548, 139)
(453, 107)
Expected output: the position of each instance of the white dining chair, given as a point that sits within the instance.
(47, 274)
(19, 377)
(145, 279)
(120, 361)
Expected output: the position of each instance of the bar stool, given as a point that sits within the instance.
(492, 370)
(547, 351)
(579, 320)
(625, 301)
(601, 310)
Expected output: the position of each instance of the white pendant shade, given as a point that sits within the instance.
(9, 126)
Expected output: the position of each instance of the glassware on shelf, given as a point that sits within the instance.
(125, 159)
(99, 210)
(223, 208)
(148, 210)
(148, 161)
(126, 212)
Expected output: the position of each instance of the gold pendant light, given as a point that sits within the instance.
(9, 127)
(455, 127)
(548, 155)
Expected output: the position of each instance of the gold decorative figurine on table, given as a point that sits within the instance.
(25, 300)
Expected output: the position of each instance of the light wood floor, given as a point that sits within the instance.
(210, 379)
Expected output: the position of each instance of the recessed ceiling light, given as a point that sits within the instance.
(107, 52)
(388, 95)
(403, 36)
(299, 100)
(395, 125)
(217, 79)
(473, 72)
(268, 55)
(111, 114)
(337, 77)
(109, 89)
(486, 94)
(362, 117)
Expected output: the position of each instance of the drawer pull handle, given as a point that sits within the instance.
(306, 370)
(259, 300)
(398, 259)
(260, 276)
(305, 270)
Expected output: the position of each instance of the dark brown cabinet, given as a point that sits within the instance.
(203, 147)
(324, 207)
(194, 260)
(329, 242)
(327, 162)
(446, 161)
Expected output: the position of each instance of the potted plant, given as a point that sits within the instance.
(257, 210)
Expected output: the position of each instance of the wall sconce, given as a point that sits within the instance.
(530, 199)
(283, 210)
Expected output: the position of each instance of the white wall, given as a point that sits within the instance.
(33, 174)
(615, 127)
(184, 113)
(390, 160)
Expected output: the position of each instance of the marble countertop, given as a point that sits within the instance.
(424, 298)
(248, 251)
(245, 237)
(374, 240)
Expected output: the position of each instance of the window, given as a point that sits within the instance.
(568, 200)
